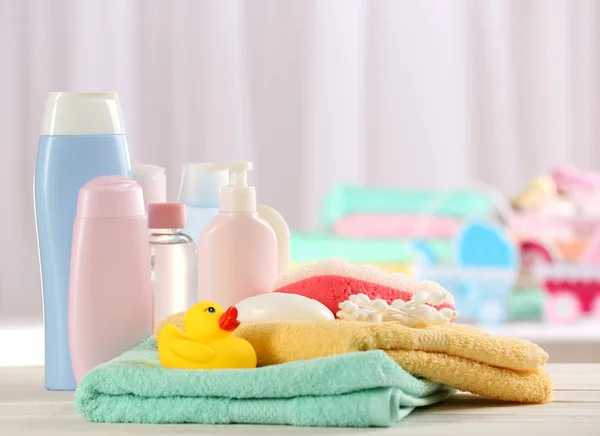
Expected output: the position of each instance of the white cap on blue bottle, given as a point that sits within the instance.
(83, 113)
(201, 185)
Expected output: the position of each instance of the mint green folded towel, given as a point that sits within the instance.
(365, 389)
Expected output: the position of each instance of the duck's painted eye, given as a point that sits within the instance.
(211, 310)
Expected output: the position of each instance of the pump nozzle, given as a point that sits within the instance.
(237, 171)
(237, 196)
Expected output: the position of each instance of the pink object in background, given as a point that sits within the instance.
(568, 178)
(562, 307)
(166, 216)
(591, 254)
(595, 312)
(397, 226)
(543, 227)
(110, 299)
(570, 298)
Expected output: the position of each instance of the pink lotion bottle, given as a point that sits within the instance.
(110, 293)
(240, 251)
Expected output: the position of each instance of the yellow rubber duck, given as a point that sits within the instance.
(207, 342)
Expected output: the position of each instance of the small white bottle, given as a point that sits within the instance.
(243, 249)
(153, 181)
(172, 260)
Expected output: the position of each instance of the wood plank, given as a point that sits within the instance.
(37, 410)
(576, 396)
(26, 408)
(558, 395)
(67, 426)
(485, 407)
(425, 417)
(493, 429)
(33, 396)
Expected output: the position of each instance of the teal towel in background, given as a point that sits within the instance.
(365, 389)
(348, 200)
(307, 247)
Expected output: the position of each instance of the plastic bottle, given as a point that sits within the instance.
(173, 260)
(153, 181)
(82, 138)
(110, 294)
(199, 191)
(240, 253)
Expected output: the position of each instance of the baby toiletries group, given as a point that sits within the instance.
(116, 257)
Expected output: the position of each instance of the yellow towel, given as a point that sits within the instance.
(466, 358)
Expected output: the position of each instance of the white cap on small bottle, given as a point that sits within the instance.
(237, 196)
(201, 183)
(153, 181)
(82, 113)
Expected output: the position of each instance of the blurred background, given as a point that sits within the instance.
(351, 110)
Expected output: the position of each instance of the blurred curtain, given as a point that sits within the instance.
(429, 93)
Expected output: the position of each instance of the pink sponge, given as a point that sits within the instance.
(332, 281)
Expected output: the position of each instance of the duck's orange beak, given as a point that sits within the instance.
(228, 321)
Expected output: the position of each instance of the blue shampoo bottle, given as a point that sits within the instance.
(82, 138)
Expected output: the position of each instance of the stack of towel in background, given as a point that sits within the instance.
(380, 226)
(330, 373)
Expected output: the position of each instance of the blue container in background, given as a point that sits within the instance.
(82, 138)
(482, 274)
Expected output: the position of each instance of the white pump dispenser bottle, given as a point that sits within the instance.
(240, 252)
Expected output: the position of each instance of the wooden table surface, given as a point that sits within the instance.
(26, 408)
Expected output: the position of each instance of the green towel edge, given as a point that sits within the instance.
(88, 398)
